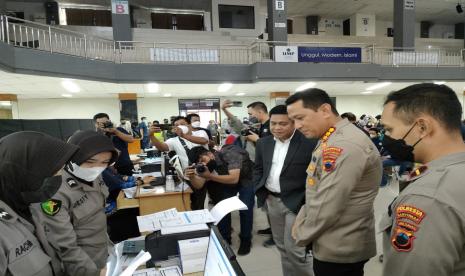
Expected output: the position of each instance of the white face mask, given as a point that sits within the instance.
(184, 129)
(87, 174)
(196, 124)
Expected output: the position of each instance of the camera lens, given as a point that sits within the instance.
(200, 168)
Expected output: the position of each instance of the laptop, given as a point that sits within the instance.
(221, 260)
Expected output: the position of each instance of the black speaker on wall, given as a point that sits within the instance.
(51, 13)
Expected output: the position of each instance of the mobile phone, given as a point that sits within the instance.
(237, 103)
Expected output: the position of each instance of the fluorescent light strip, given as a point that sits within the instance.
(440, 82)
(305, 86)
(224, 87)
(70, 86)
(167, 95)
(378, 86)
(67, 95)
(5, 103)
(366, 92)
(240, 94)
(153, 87)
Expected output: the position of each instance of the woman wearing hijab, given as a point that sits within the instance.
(74, 217)
(29, 163)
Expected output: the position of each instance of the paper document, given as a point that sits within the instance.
(225, 207)
(142, 175)
(147, 272)
(130, 192)
(155, 160)
(193, 253)
(183, 229)
(170, 271)
(188, 218)
(151, 222)
(139, 260)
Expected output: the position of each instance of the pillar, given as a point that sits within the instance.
(121, 20)
(278, 98)
(128, 106)
(404, 24)
(277, 20)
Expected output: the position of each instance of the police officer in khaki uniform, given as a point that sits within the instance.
(28, 164)
(75, 220)
(337, 220)
(424, 228)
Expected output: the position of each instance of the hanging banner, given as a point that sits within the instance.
(330, 54)
(285, 53)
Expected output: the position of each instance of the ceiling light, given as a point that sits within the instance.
(378, 86)
(167, 95)
(439, 82)
(5, 103)
(70, 86)
(366, 92)
(240, 94)
(305, 86)
(224, 87)
(67, 95)
(459, 8)
(153, 87)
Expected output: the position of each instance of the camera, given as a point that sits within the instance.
(108, 124)
(247, 131)
(200, 168)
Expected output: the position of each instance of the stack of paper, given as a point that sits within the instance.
(186, 221)
(193, 253)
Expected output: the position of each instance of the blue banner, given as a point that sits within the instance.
(330, 54)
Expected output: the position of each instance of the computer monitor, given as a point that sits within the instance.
(220, 260)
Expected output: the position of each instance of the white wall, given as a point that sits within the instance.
(66, 108)
(359, 105)
(299, 24)
(382, 26)
(259, 24)
(328, 26)
(164, 108)
(143, 18)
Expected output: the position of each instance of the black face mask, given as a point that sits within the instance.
(48, 189)
(253, 120)
(398, 148)
(211, 165)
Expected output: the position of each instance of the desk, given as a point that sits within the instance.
(151, 202)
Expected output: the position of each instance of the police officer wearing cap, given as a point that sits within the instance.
(29, 162)
(337, 221)
(424, 228)
(75, 220)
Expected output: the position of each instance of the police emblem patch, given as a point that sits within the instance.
(51, 207)
(330, 156)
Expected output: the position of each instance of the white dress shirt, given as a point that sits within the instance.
(280, 152)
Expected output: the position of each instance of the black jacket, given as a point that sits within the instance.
(293, 175)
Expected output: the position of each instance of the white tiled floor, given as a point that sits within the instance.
(267, 262)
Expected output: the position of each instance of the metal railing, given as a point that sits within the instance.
(27, 34)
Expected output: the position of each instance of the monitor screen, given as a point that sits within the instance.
(217, 262)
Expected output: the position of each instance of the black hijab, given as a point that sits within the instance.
(27, 159)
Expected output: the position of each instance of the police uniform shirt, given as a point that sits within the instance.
(75, 224)
(424, 229)
(21, 253)
(342, 183)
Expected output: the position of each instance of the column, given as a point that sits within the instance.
(121, 20)
(277, 20)
(404, 24)
(363, 25)
(278, 98)
(128, 106)
(11, 103)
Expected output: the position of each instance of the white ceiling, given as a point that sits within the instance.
(30, 86)
(437, 11)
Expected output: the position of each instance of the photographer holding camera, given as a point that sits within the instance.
(258, 114)
(120, 138)
(226, 172)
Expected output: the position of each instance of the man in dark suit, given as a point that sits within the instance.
(281, 162)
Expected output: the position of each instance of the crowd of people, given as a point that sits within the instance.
(314, 172)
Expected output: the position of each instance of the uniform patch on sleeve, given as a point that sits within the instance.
(51, 207)
(330, 155)
(411, 213)
(408, 219)
(402, 240)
